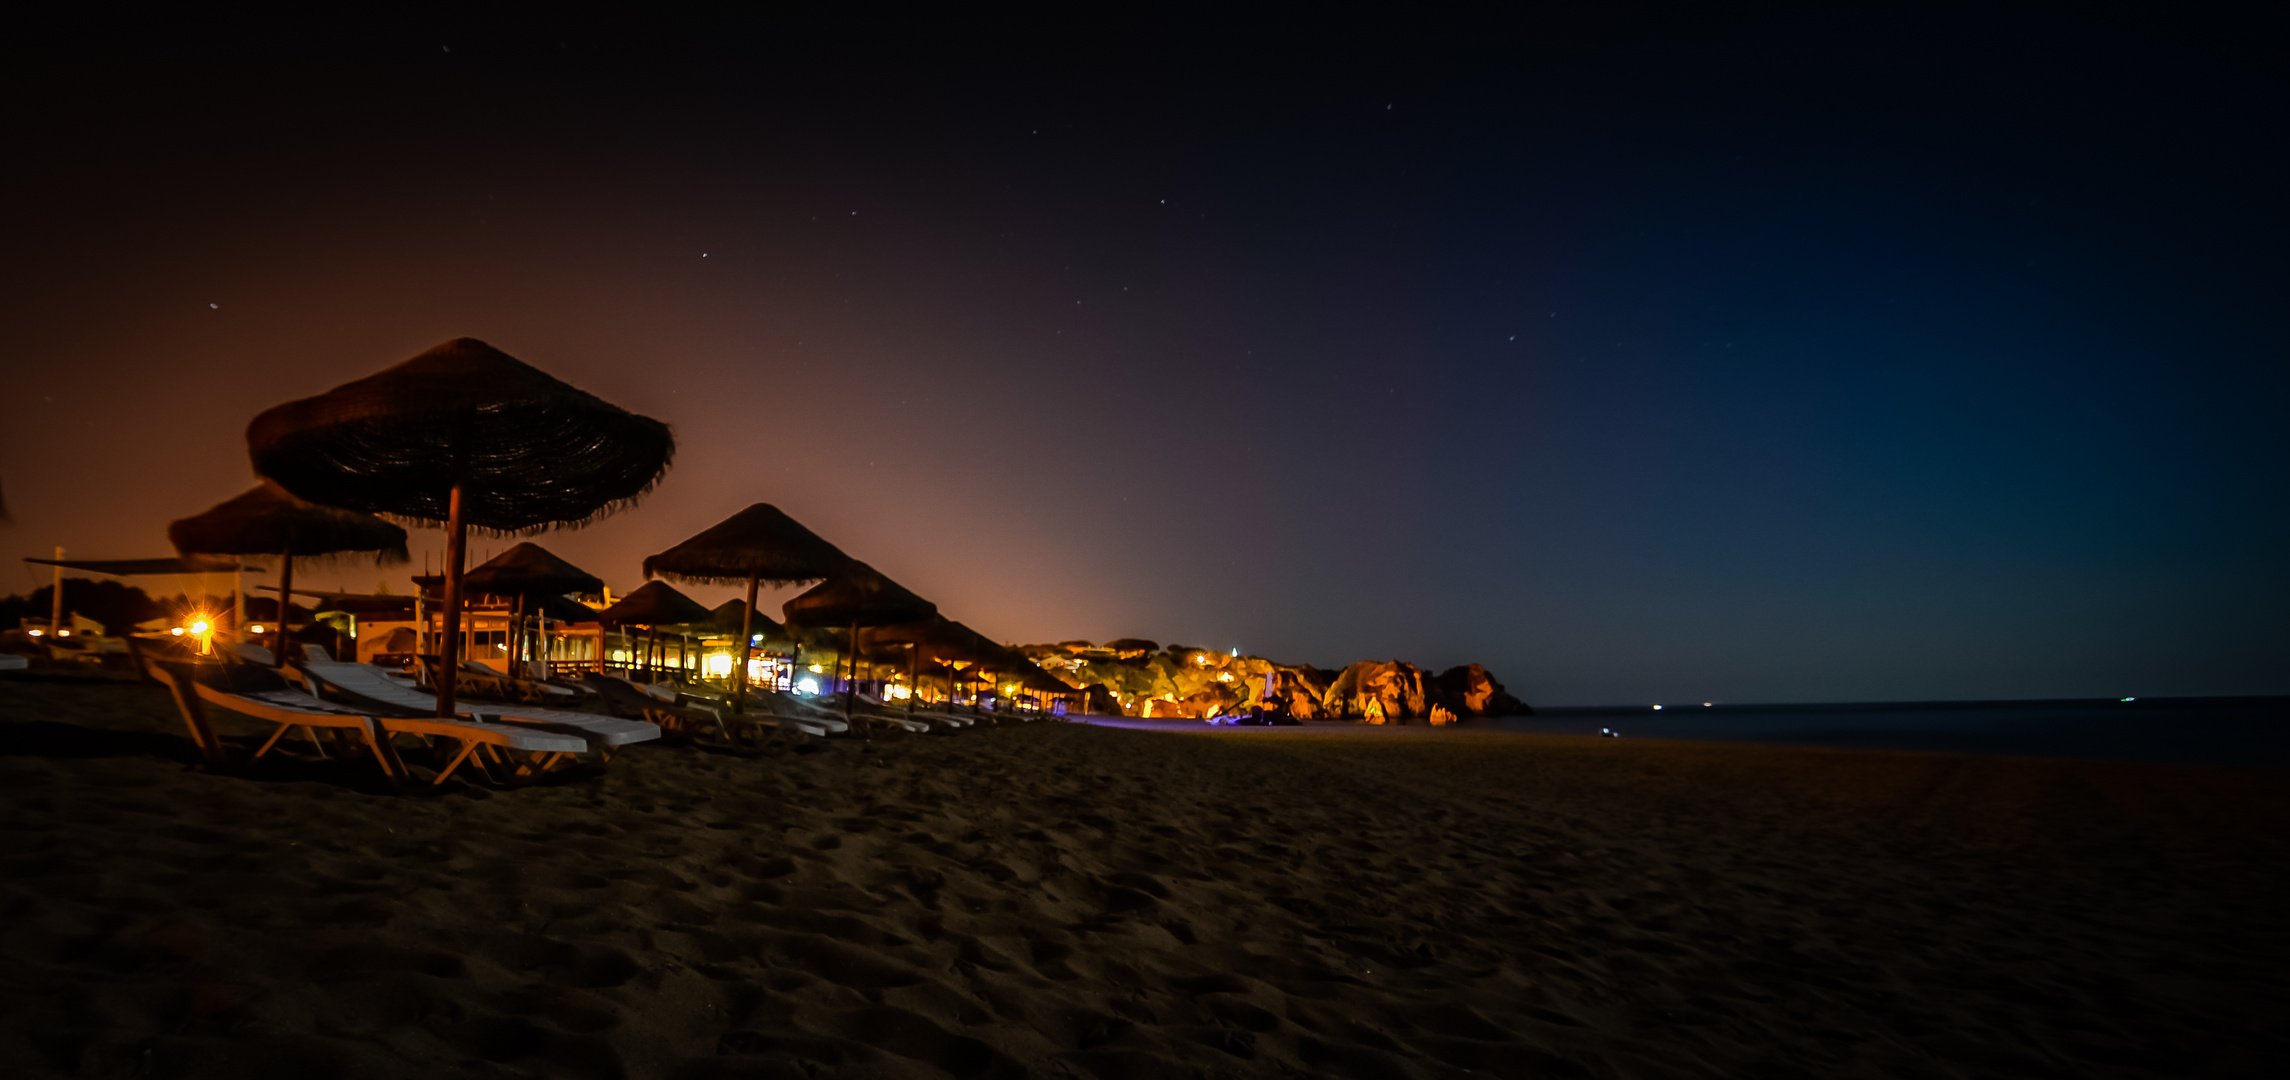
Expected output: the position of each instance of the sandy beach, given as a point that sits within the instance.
(1063, 900)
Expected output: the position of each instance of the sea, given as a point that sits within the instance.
(2204, 730)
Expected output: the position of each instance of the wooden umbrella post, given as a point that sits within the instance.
(56, 599)
(851, 685)
(285, 603)
(746, 647)
(456, 549)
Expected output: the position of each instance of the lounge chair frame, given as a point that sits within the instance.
(502, 754)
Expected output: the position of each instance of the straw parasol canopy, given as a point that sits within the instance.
(267, 520)
(858, 595)
(930, 631)
(758, 545)
(920, 639)
(527, 451)
(469, 437)
(653, 605)
(538, 579)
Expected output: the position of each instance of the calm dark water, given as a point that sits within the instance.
(2217, 731)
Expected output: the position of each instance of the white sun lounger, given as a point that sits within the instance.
(373, 684)
(931, 715)
(252, 653)
(520, 682)
(290, 708)
(775, 708)
(13, 662)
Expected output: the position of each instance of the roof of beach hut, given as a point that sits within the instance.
(725, 619)
(759, 543)
(562, 608)
(857, 595)
(267, 520)
(655, 603)
(526, 450)
(529, 570)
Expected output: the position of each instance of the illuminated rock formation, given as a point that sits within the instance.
(1470, 691)
(1194, 683)
(1398, 685)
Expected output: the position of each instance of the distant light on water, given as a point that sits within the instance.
(2130, 699)
(1657, 708)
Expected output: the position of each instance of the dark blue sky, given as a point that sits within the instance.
(1754, 354)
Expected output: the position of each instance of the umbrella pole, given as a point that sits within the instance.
(56, 599)
(456, 550)
(651, 643)
(851, 687)
(285, 604)
(746, 646)
(913, 675)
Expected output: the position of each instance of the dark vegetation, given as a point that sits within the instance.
(117, 606)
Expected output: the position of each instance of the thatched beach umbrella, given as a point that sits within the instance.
(965, 652)
(857, 596)
(269, 521)
(653, 605)
(533, 575)
(467, 437)
(920, 637)
(758, 545)
(1043, 683)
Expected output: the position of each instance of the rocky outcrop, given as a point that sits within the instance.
(1098, 701)
(1397, 686)
(1182, 681)
(1470, 691)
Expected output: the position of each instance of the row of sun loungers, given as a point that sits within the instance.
(250, 690)
(367, 684)
(370, 709)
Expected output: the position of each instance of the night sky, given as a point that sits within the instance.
(1747, 355)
